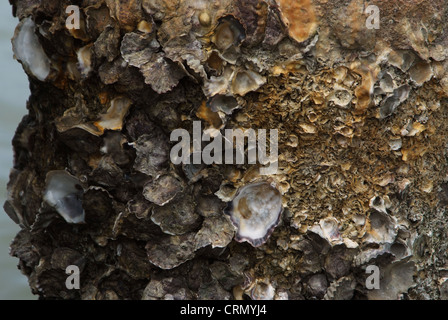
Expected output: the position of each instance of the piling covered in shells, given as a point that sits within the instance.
(360, 104)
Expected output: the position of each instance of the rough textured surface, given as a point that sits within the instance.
(362, 119)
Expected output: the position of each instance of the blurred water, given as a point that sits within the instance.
(14, 92)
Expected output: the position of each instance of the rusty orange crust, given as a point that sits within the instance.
(364, 91)
(300, 17)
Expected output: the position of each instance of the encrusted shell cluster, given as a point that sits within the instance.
(361, 120)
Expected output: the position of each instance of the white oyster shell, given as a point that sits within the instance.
(29, 51)
(328, 229)
(255, 212)
(64, 193)
(84, 56)
(262, 290)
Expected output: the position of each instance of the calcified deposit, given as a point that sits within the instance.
(363, 129)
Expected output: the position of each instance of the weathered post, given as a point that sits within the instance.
(353, 93)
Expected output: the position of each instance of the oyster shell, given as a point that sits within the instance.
(172, 251)
(255, 212)
(29, 51)
(162, 190)
(341, 289)
(390, 104)
(261, 289)
(216, 232)
(177, 217)
(162, 74)
(397, 278)
(421, 72)
(226, 104)
(127, 13)
(152, 152)
(113, 119)
(317, 285)
(246, 81)
(328, 229)
(300, 18)
(64, 193)
(84, 55)
(166, 289)
(229, 33)
(381, 228)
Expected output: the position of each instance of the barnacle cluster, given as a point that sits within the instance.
(362, 121)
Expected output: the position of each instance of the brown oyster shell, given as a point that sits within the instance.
(300, 18)
(127, 13)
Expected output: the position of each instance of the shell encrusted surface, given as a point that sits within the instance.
(349, 98)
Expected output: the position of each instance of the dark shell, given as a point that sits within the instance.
(177, 217)
(162, 190)
(172, 251)
(106, 46)
(152, 152)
